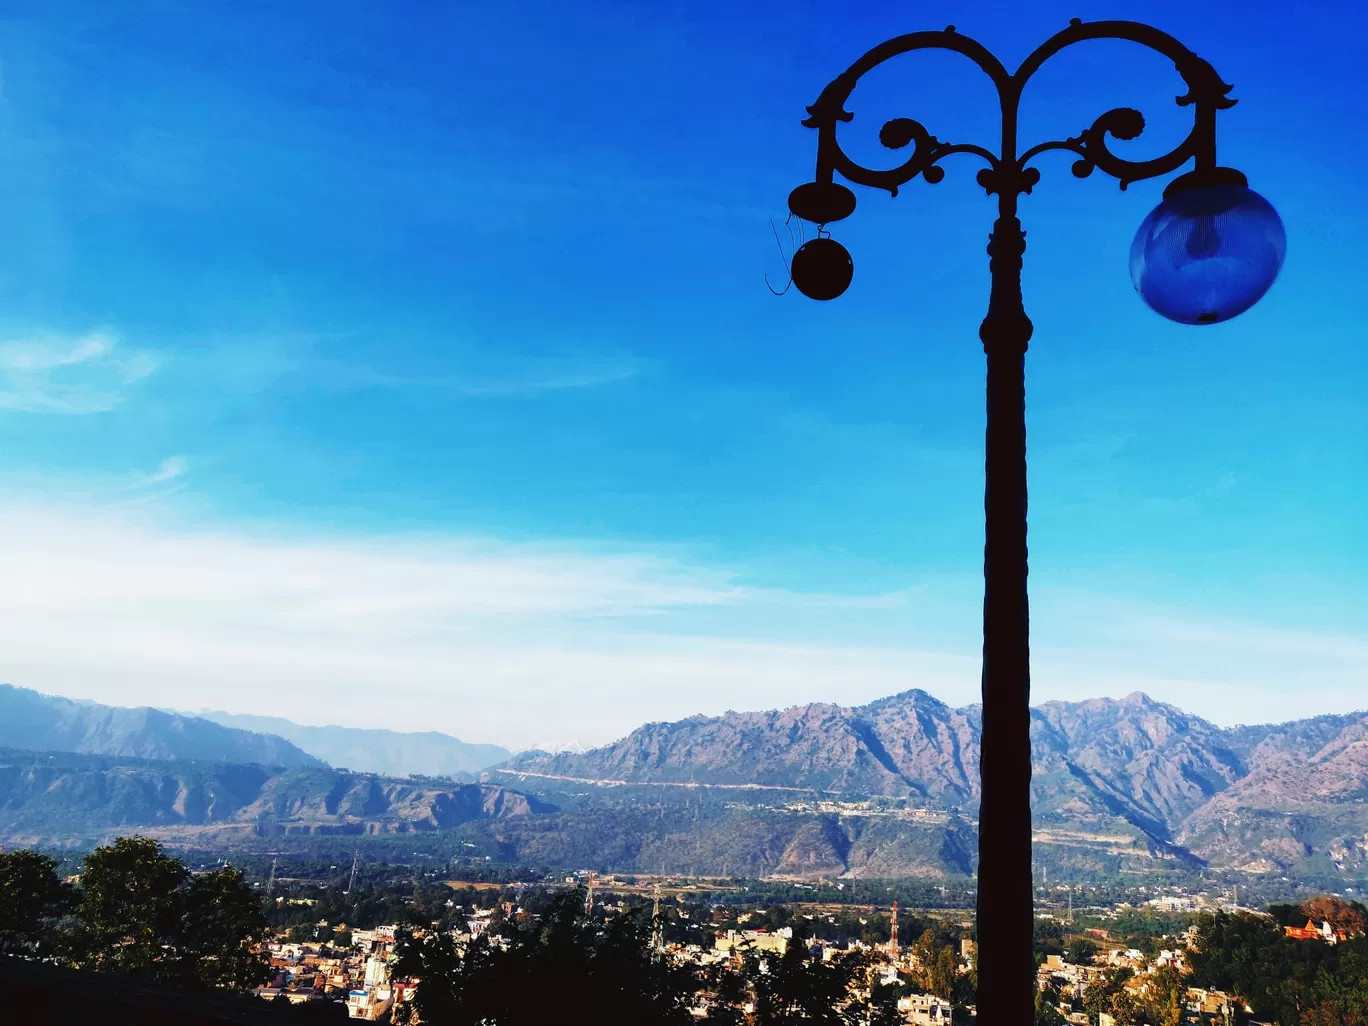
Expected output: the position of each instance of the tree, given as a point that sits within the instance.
(600, 970)
(30, 894)
(797, 987)
(1080, 951)
(936, 964)
(1164, 1003)
(442, 972)
(1047, 1008)
(882, 1008)
(130, 908)
(221, 920)
(1110, 995)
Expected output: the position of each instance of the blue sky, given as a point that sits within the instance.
(422, 369)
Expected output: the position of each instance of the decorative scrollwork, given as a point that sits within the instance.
(1124, 123)
(1008, 174)
(927, 151)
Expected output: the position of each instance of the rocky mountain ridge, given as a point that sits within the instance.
(1264, 798)
(1129, 786)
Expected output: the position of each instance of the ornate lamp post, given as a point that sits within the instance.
(1208, 252)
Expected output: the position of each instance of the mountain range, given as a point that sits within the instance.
(41, 722)
(891, 788)
(31, 720)
(1109, 775)
(61, 798)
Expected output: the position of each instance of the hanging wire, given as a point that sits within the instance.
(786, 257)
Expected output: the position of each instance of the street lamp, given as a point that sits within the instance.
(1208, 252)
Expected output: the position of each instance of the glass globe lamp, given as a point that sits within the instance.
(1209, 251)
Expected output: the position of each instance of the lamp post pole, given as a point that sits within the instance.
(1195, 288)
(1006, 920)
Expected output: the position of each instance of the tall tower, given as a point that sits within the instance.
(589, 893)
(657, 927)
(270, 883)
(351, 884)
(893, 930)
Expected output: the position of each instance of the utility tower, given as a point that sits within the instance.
(351, 884)
(657, 927)
(270, 882)
(589, 893)
(893, 930)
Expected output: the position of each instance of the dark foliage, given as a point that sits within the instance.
(564, 961)
(136, 911)
(1284, 980)
(31, 896)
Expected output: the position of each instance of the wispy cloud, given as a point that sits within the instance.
(310, 362)
(510, 642)
(86, 374)
(518, 642)
(501, 376)
(552, 377)
(169, 469)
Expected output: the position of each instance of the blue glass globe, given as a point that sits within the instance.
(1207, 253)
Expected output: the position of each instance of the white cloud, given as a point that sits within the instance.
(87, 374)
(170, 468)
(524, 644)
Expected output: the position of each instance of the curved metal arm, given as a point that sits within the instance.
(829, 110)
(1007, 172)
(1206, 93)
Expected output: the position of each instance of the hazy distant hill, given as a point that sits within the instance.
(67, 798)
(32, 720)
(376, 751)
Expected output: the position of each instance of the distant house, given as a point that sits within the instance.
(1325, 932)
(756, 940)
(1307, 932)
(369, 1004)
(925, 1009)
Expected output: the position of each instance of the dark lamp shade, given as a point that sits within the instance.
(1207, 254)
(821, 268)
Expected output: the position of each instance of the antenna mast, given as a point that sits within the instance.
(657, 927)
(356, 854)
(893, 930)
(270, 883)
(589, 893)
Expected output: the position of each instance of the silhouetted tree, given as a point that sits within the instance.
(565, 965)
(30, 896)
(137, 911)
(799, 987)
(130, 908)
(221, 921)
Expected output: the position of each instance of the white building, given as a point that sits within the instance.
(369, 1004)
(377, 973)
(925, 1009)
